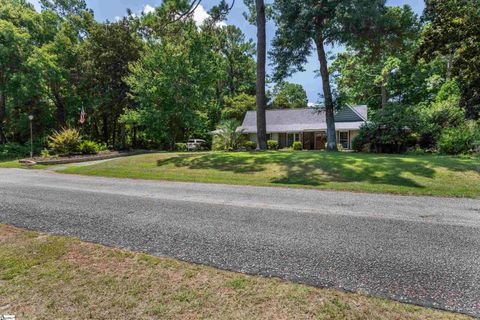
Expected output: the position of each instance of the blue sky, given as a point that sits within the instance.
(110, 9)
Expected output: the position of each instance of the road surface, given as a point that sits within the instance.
(422, 250)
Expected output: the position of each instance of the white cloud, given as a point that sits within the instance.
(200, 15)
(148, 9)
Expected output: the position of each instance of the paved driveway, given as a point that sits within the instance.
(416, 249)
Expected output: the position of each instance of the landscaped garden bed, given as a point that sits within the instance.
(102, 155)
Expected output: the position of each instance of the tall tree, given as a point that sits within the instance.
(302, 23)
(258, 17)
(106, 55)
(453, 31)
(261, 74)
(369, 71)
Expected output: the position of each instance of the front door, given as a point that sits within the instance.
(308, 141)
(320, 140)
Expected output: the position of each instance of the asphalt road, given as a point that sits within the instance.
(421, 250)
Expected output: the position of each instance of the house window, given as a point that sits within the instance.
(343, 139)
(292, 137)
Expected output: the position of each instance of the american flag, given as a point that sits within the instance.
(82, 116)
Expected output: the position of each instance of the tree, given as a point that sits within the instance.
(453, 32)
(237, 107)
(379, 61)
(173, 84)
(106, 55)
(20, 86)
(257, 17)
(302, 23)
(237, 54)
(288, 96)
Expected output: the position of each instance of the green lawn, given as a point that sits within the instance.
(402, 174)
(16, 165)
(47, 277)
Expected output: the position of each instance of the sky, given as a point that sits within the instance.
(112, 9)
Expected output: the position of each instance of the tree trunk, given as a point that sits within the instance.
(61, 111)
(384, 90)
(134, 142)
(327, 94)
(261, 62)
(106, 136)
(449, 66)
(3, 113)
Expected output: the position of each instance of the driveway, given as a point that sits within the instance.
(421, 250)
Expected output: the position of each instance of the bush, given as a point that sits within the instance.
(65, 142)
(272, 144)
(392, 130)
(182, 147)
(250, 145)
(359, 143)
(90, 147)
(13, 151)
(462, 139)
(45, 153)
(226, 137)
(297, 145)
(440, 115)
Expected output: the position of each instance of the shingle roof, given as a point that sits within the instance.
(307, 119)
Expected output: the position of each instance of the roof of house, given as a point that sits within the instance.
(306, 119)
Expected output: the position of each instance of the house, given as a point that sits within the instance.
(307, 125)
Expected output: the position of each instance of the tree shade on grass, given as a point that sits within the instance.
(406, 174)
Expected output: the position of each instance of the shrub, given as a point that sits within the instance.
(182, 147)
(440, 115)
(462, 139)
(45, 153)
(359, 143)
(65, 142)
(89, 147)
(250, 145)
(392, 130)
(226, 137)
(272, 144)
(297, 145)
(339, 147)
(13, 151)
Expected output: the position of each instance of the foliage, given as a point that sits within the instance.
(13, 151)
(272, 144)
(453, 32)
(303, 23)
(288, 96)
(461, 139)
(45, 153)
(297, 145)
(250, 145)
(90, 147)
(445, 112)
(180, 146)
(379, 69)
(226, 137)
(65, 142)
(392, 130)
(236, 107)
